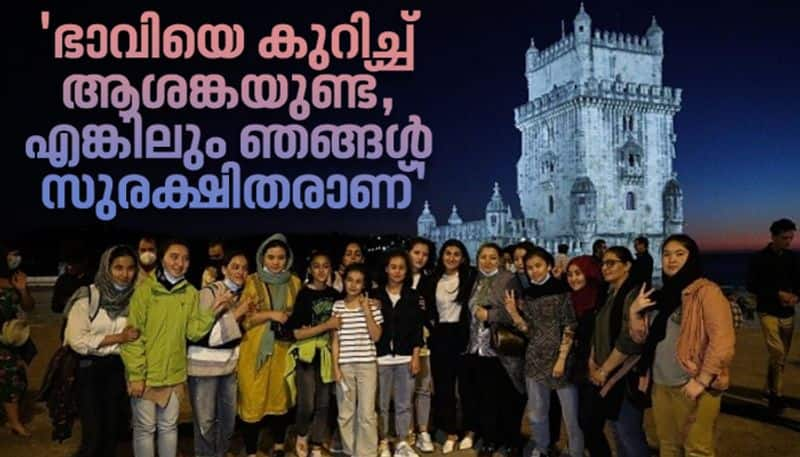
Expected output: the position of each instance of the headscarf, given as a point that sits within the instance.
(114, 301)
(668, 299)
(550, 286)
(278, 286)
(586, 299)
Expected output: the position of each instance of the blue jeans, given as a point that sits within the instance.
(539, 407)
(147, 417)
(214, 407)
(629, 432)
(398, 382)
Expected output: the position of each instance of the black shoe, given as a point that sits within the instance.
(776, 404)
(487, 450)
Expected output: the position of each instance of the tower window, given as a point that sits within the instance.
(551, 204)
(630, 201)
(627, 123)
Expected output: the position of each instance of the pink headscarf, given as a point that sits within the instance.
(585, 299)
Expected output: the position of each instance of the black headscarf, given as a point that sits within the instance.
(668, 299)
(550, 287)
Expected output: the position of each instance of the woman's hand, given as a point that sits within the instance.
(334, 322)
(481, 314)
(511, 303)
(414, 365)
(337, 373)
(136, 388)
(642, 300)
(558, 368)
(693, 389)
(129, 334)
(598, 376)
(222, 297)
(278, 316)
(246, 306)
(20, 281)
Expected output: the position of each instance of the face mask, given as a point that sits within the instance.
(147, 258)
(14, 261)
(172, 279)
(119, 287)
(489, 273)
(231, 285)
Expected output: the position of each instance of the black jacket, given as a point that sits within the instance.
(770, 272)
(459, 336)
(402, 323)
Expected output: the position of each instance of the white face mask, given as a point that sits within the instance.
(119, 287)
(14, 261)
(231, 285)
(147, 258)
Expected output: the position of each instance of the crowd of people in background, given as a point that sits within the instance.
(370, 362)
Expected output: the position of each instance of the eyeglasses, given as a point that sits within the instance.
(610, 263)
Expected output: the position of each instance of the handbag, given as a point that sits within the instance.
(507, 341)
(15, 332)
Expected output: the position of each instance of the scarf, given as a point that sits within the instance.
(586, 299)
(114, 301)
(550, 286)
(669, 298)
(277, 285)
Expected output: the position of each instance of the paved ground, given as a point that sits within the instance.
(744, 428)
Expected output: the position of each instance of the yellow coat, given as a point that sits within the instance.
(263, 392)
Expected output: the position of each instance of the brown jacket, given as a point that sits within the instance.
(707, 339)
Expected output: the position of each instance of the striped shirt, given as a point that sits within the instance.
(355, 345)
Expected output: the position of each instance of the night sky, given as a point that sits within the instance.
(738, 149)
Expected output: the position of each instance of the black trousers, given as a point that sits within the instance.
(449, 372)
(592, 419)
(276, 425)
(102, 393)
(313, 399)
(500, 406)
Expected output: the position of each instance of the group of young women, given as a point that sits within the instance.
(273, 350)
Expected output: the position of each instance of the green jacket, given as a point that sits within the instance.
(165, 319)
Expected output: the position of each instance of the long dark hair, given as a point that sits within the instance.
(396, 254)
(429, 266)
(464, 270)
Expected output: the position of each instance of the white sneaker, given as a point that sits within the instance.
(301, 446)
(448, 446)
(424, 442)
(316, 452)
(404, 450)
(383, 449)
(465, 443)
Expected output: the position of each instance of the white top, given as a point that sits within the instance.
(415, 280)
(84, 337)
(355, 345)
(446, 293)
(392, 359)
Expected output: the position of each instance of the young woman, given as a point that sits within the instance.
(15, 299)
(213, 359)
(165, 309)
(500, 379)
(398, 351)
(311, 323)
(263, 391)
(612, 346)
(419, 253)
(353, 253)
(546, 315)
(447, 294)
(689, 340)
(354, 367)
(97, 323)
(586, 284)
